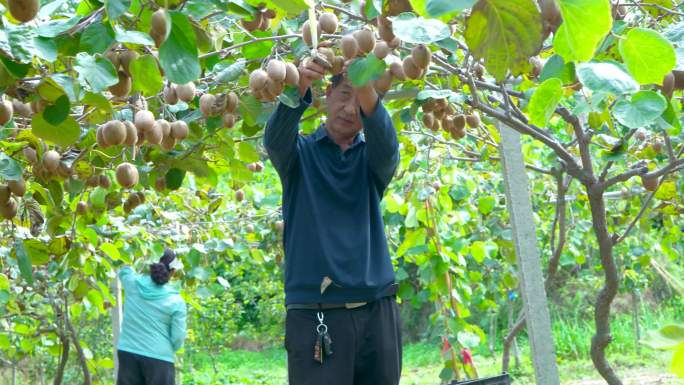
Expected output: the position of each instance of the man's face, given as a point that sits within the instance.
(344, 118)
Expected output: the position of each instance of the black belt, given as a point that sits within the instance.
(391, 290)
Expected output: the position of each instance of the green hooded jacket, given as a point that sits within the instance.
(154, 319)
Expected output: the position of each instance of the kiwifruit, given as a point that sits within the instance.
(383, 84)
(100, 138)
(679, 79)
(30, 154)
(394, 43)
(328, 22)
(20, 108)
(93, 181)
(81, 208)
(428, 119)
(421, 55)
(381, 50)
(439, 114)
(270, 13)
(460, 122)
(327, 53)
(258, 167)
(448, 122)
(306, 32)
(257, 79)
(239, 195)
(5, 194)
(179, 130)
(114, 132)
(385, 31)
(9, 209)
(430, 105)
(185, 92)
(280, 226)
(338, 65)
(141, 196)
(24, 10)
(274, 87)
(228, 120)
(668, 85)
(276, 70)
(123, 87)
(265, 23)
(17, 187)
(397, 71)
(51, 160)
(131, 133)
(168, 143)
(64, 171)
(410, 69)
(440, 103)
(640, 135)
(458, 134)
(144, 120)
(657, 146)
(126, 58)
(6, 111)
(234, 101)
(473, 120)
(158, 29)
(113, 56)
(551, 15)
(253, 24)
(160, 184)
(364, 38)
(650, 184)
(126, 175)
(450, 110)
(170, 96)
(206, 104)
(38, 105)
(537, 65)
(154, 135)
(105, 182)
(349, 46)
(134, 199)
(478, 69)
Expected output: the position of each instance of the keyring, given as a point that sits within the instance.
(322, 328)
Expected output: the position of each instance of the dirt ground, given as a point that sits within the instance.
(636, 377)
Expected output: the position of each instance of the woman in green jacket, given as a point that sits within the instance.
(153, 326)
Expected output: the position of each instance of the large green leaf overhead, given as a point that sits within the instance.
(648, 55)
(418, 30)
(96, 71)
(505, 34)
(643, 109)
(178, 54)
(585, 24)
(606, 77)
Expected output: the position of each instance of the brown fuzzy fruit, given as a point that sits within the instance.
(22, 109)
(100, 138)
(51, 160)
(81, 208)
(253, 24)
(123, 87)
(328, 22)
(473, 120)
(410, 69)
(479, 70)
(126, 58)
(397, 71)
(24, 10)
(448, 123)
(385, 32)
(291, 75)
(327, 53)
(274, 87)
(383, 84)
(93, 181)
(280, 226)
(30, 155)
(276, 70)
(168, 143)
(160, 184)
(257, 80)
(155, 134)
(113, 56)
(306, 32)
(206, 104)
(234, 101)
(650, 184)
(228, 120)
(338, 65)
(439, 114)
(394, 43)
(6, 112)
(537, 66)
(364, 38)
(17, 187)
(239, 195)
(144, 120)
(457, 134)
(657, 146)
(421, 56)
(668, 85)
(114, 132)
(126, 175)
(158, 28)
(5, 194)
(165, 127)
(460, 122)
(349, 46)
(131, 133)
(679, 79)
(186, 92)
(179, 130)
(428, 120)
(170, 96)
(38, 105)
(381, 50)
(105, 182)
(265, 23)
(9, 209)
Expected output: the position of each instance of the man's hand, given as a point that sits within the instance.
(366, 94)
(309, 72)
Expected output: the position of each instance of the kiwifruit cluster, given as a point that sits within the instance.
(134, 200)
(158, 27)
(143, 128)
(127, 175)
(327, 22)
(8, 205)
(262, 19)
(183, 92)
(6, 112)
(255, 167)
(415, 65)
(23, 10)
(122, 59)
(438, 112)
(49, 166)
(224, 104)
(99, 180)
(268, 84)
(385, 32)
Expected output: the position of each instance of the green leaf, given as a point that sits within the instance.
(68, 84)
(96, 71)
(96, 38)
(643, 108)
(247, 153)
(668, 337)
(95, 298)
(231, 72)
(648, 55)
(56, 113)
(477, 250)
(363, 70)
(544, 101)
(56, 26)
(290, 97)
(678, 361)
(103, 109)
(132, 37)
(178, 54)
(585, 23)
(9, 168)
(15, 69)
(505, 34)
(486, 204)
(174, 178)
(293, 7)
(23, 261)
(373, 8)
(64, 134)
(38, 252)
(46, 48)
(21, 42)
(257, 50)
(606, 77)
(675, 32)
(4, 282)
(146, 76)
(555, 67)
(111, 251)
(436, 8)
(412, 29)
(250, 108)
(116, 8)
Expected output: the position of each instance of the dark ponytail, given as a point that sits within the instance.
(161, 272)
